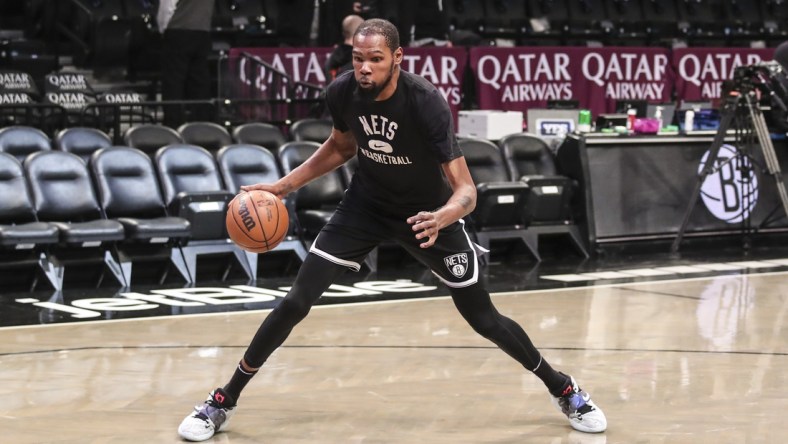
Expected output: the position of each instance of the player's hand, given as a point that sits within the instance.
(426, 226)
(273, 188)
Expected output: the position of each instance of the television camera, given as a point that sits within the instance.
(769, 82)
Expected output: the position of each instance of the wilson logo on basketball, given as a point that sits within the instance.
(243, 211)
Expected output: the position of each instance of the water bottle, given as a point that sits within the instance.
(584, 121)
(689, 121)
(632, 114)
(658, 116)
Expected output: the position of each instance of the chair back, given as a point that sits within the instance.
(21, 141)
(208, 135)
(193, 189)
(126, 183)
(186, 168)
(62, 187)
(323, 192)
(310, 129)
(527, 155)
(484, 160)
(16, 206)
(259, 133)
(246, 164)
(150, 137)
(81, 141)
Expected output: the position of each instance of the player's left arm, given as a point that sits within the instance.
(427, 224)
(335, 151)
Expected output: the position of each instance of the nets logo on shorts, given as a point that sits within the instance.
(457, 264)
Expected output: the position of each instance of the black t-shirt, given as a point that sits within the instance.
(402, 142)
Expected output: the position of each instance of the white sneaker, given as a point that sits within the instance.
(583, 414)
(209, 418)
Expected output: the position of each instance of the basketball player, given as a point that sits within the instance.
(401, 128)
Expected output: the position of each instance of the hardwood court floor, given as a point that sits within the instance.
(685, 361)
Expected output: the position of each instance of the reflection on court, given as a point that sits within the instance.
(695, 360)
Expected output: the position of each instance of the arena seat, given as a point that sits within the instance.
(704, 22)
(128, 192)
(246, 164)
(547, 204)
(208, 135)
(315, 202)
(24, 240)
(746, 22)
(193, 189)
(500, 200)
(81, 141)
(549, 22)
(150, 137)
(259, 133)
(505, 19)
(775, 20)
(63, 193)
(465, 15)
(311, 129)
(290, 20)
(661, 21)
(240, 20)
(587, 21)
(21, 141)
(627, 20)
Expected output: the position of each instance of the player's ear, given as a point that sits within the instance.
(398, 56)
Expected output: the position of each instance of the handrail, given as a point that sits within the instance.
(68, 32)
(265, 92)
(289, 78)
(266, 65)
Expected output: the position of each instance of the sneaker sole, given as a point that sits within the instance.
(189, 436)
(576, 425)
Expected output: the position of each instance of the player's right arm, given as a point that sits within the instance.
(335, 151)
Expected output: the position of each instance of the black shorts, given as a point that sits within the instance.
(354, 231)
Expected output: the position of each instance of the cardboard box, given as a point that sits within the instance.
(487, 124)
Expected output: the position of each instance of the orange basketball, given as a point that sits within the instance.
(257, 221)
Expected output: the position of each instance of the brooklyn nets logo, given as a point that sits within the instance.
(731, 192)
(457, 264)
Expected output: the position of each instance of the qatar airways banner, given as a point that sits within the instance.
(444, 67)
(516, 79)
(301, 64)
(701, 71)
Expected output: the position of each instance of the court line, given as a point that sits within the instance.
(660, 293)
(402, 300)
(398, 347)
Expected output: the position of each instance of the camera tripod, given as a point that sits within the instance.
(733, 113)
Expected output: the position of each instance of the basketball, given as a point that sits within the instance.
(257, 221)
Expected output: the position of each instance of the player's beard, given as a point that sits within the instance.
(370, 94)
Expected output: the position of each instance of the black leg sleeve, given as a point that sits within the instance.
(314, 277)
(476, 307)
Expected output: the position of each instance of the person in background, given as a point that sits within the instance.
(186, 46)
(367, 8)
(341, 58)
